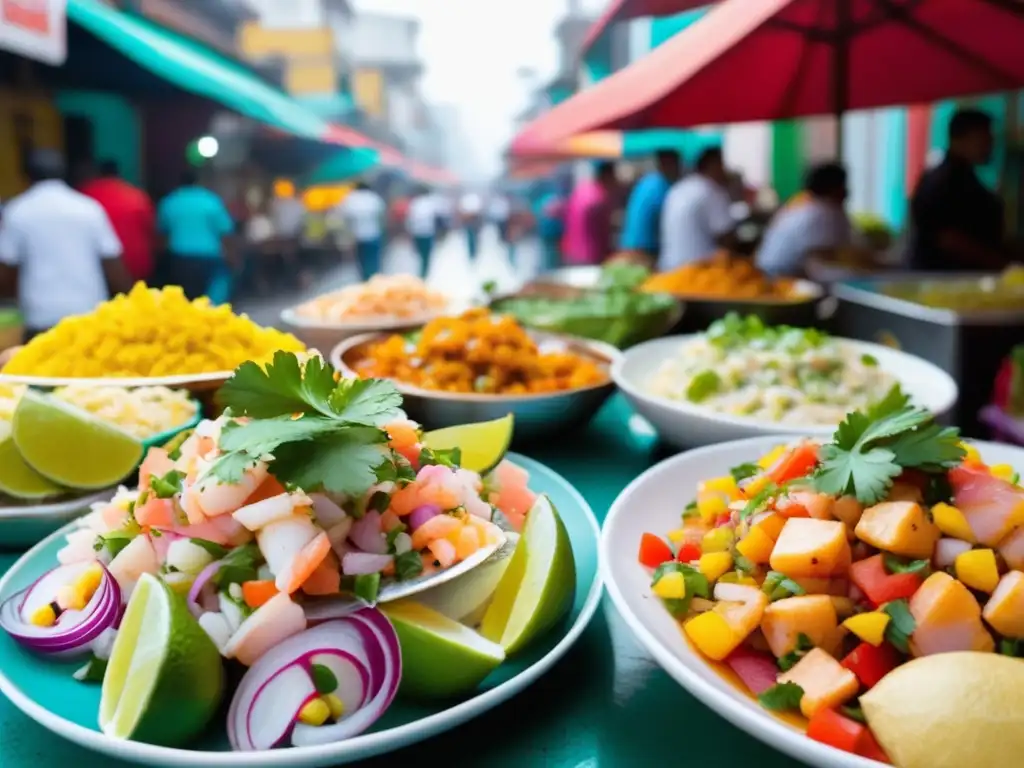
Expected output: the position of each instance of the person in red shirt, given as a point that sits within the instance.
(131, 212)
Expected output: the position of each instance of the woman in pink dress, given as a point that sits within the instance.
(588, 218)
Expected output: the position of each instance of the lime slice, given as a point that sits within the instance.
(440, 657)
(165, 679)
(72, 447)
(18, 479)
(483, 445)
(539, 585)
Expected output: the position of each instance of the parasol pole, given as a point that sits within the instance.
(841, 70)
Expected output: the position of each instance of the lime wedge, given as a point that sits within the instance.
(18, 479)
(539, 584)
(466, 597)
(69, 446)
(165, 679)
(440, 657)
(483, 445)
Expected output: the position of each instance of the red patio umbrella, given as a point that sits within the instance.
(776, 59)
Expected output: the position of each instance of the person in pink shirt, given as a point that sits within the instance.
(588, 218)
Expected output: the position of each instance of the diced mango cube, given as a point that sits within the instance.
(715, 564)
(952, 523)
(671, 586)
(717, 540)
(1002, 471)
(43, 616)
(899, 527)
(869, 627)
(827, 684)
(849, 511)
(756, 546)
(785, 620)
(725, 485)
(978, 569)
(677, 537)
(712, 635)
(947, 618)
(1012, 550)
(771, 524)
(711, 505)
(809, 547)
(755, 485)
(315, 712)
(1004, 611)
(769, 459)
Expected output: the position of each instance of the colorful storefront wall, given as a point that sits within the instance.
(117, 128)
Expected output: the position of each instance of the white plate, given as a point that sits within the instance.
(686, 424)
(653, 503)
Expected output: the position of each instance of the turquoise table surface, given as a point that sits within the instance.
(605, 704)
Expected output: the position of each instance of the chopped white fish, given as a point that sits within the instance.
(280, 542)
(137, 558)
(262, 513)
(216, 626)
(187, 557)
(230, 611)
(277, 619)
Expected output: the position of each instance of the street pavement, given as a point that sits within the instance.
(451, 271)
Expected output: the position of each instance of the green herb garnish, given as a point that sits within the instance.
(782, 697)
(216, 550)
(696, 585)
(324, 680)
(446, 458)
(869, 450)
(895, 564)
(408, 565)
(690, 510)
(167, 486)
(742, 471)
(367, 587)
(855, 713)
(114, 542)
(803, 645)
(238, 566)
(392, 535)
(901, 626)
(869, 361)
(778, 586)
(702, 386)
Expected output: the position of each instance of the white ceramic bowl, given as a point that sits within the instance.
(326, 334)
(653, 503)
(688, 425)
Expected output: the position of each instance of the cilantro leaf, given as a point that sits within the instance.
(901, 626)
(165, 487)
(372, 402)
(855, 713)
(932, 448)
(261, 436)
(895, 400)
(697, 585)
(895, 564)
(803, 645)
(345, 462)
(367, 587)
(743, 471)
(782, 697)
(408, 565)
(215, 550)
(284, 387)
(868, 474)
(239, 565)
(778, 586)
(230, 467)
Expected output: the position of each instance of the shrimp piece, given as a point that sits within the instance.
(443, 551)
(113, 516)
(215, 497)
(437, 527)
(404, 439)
(277, 619)
(304, 564)
(281, 541)
(156, 512)
(156, 464)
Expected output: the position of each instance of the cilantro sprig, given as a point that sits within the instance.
(319, 432)
(871, 449)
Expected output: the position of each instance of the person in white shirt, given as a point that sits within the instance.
(820, 223)
(499, 211)
(421, 224)
(363, 211)
(58, 250)
(470, 210)
(696, 220)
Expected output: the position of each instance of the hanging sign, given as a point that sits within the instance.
(36, 29)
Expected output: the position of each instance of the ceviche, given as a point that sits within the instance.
(265, 538)
(816, 570)
(741, 367)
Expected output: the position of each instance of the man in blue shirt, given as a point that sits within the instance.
(641, 226)
(195, 222)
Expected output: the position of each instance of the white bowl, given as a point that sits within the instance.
(688, 425)
(326, 334)
(653, 503)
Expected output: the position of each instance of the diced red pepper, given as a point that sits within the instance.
(880, 586)
(798, 462)
(870, 663)
(755, 669)
(872, 750)
(688, 553)
(654, 551)
(789, 508)
(836, 730)
(723, 519)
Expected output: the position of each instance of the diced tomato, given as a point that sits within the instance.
(757, 670)
(836, 730)
(688, 553)
(723, 519)
(798, 462)
(789, 508)
(654, 551)
(256, 593)
(880, 586)
(871, 749)
(870, 663)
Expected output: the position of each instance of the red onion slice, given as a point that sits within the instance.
(75, 630)
(328, 514)
(1006, 427)
(361, 563)
(420, 515)
(197, 587)
(366, 534)
(361, 650)
(332, 608)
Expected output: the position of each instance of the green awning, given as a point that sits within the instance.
(198, 69)
(343, 165)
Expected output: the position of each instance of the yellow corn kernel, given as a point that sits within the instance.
(766, 461)
(712, 635)
(971, 451)
(951, 522)
(1002, 471)
(772, 525)
(710, 506)
(726, 485)
(869, 627)
(671, 586)
(737, 577)
(677, 537)
(756, 546)
(75, 596)
(335, 705)
(717, 540)
(315, 712)
(43, 616)
(978, 569)
(755, 485)
(715, 564)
